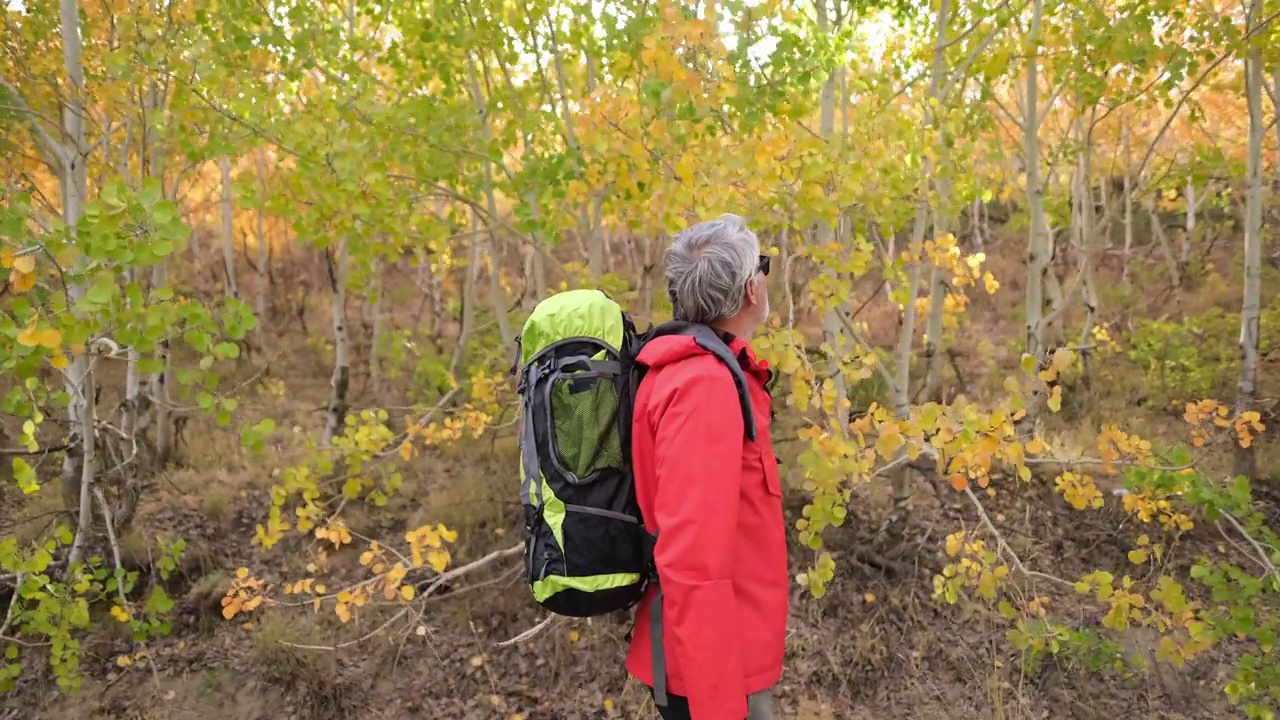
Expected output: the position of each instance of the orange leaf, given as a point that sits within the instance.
(21, 282)
(959, 482)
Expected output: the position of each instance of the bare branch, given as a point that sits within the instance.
(470, 567)
(1003, 548)
(55, 153)
(349, 643)
(532, 632)
(13, 604)
(1263, 556)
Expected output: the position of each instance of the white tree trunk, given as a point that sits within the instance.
(341, 347)
(376, 321)
(162, 382)
(595, 245)
(264, 254)
(468, 299)
(832, 322)
(1157, 234)
(1191, 224)
(228, 241)
(499, 297)
(1250, 314)
(78, 468)
(1039, 249)
(933, 354)
(1128, 208)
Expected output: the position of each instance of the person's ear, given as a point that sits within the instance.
(753, 290)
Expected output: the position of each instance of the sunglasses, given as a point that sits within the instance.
(763, 267)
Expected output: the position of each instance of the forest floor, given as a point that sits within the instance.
(878, 645)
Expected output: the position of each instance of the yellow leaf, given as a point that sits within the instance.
(242, 573)
(25, 264)
(50, 337)
(406, 450)
(1137, 557)
(1055, 399)
(438, 560)
(67, 257)
(29, 337)
(889, 443)
(124, 661)
(869, 597)
(574, 636)
(6, 258)
(407, 592)
(59, 361)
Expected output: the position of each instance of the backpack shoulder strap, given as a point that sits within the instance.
(709, 340)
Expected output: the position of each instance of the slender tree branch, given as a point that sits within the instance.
(1226, 54)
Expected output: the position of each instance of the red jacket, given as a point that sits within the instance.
(715, 501)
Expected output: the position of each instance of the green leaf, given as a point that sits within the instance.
(25, 475)
(101, 292)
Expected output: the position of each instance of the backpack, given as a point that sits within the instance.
(587, 552)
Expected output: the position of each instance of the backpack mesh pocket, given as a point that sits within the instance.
(584, 419)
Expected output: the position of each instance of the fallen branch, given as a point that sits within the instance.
(532, 632)
(442, 578)
(1262, 554)
(349, 643)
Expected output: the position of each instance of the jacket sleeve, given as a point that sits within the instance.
(698, 449)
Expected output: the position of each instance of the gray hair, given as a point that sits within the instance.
(708, 267)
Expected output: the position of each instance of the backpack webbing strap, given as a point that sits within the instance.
(659, 657)
(528, 450)
(707, 339)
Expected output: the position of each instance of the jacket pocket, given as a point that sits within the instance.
(760, 470)
(772, 481)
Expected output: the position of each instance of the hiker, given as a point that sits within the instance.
(710, 495)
